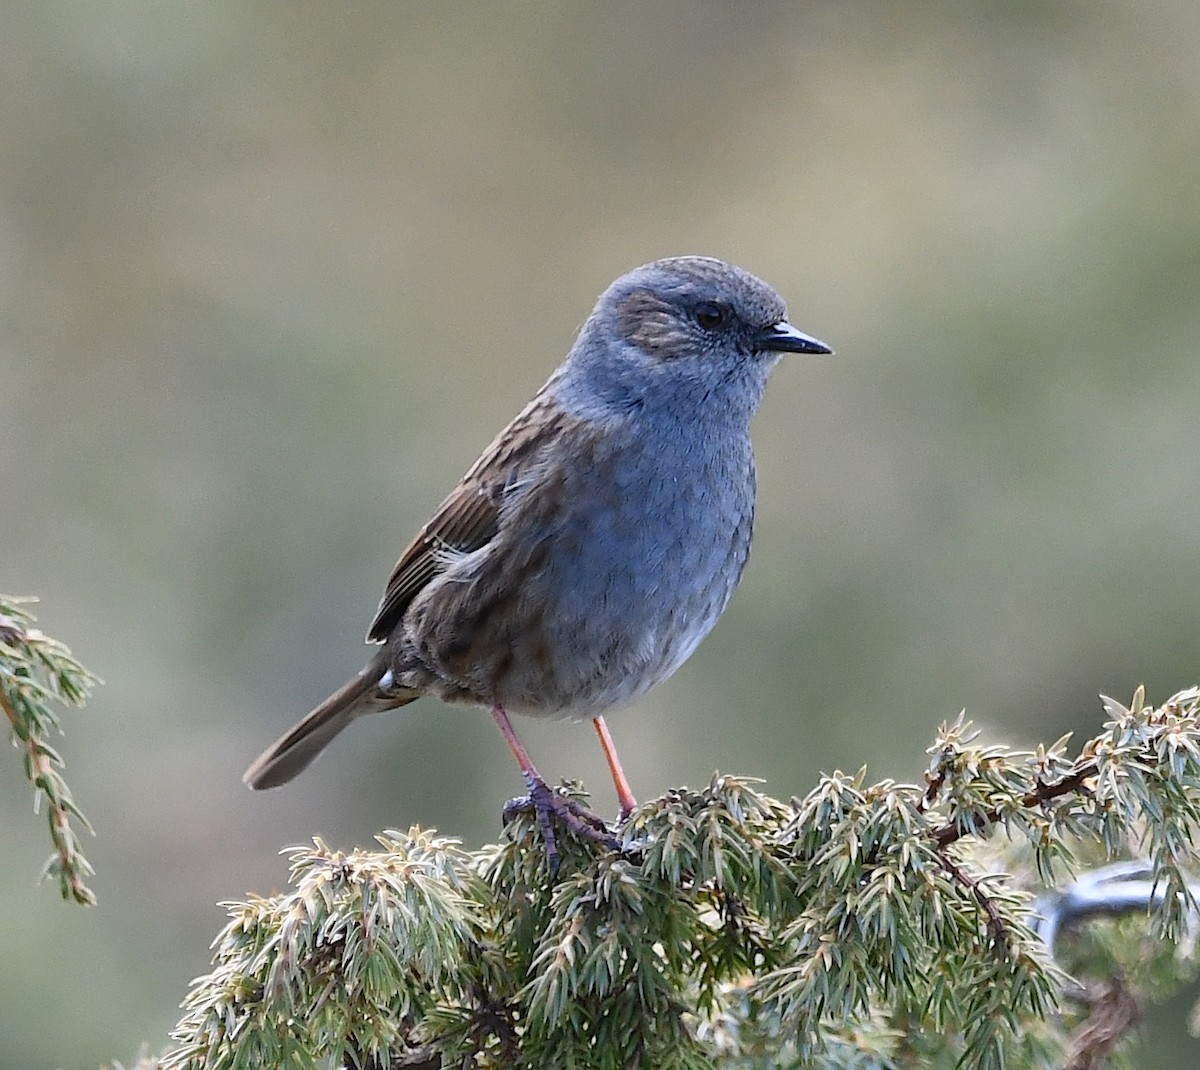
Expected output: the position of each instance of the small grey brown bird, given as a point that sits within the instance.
(599, 537)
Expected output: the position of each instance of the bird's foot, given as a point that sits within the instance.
(552, 806)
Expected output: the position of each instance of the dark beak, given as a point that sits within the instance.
(784, 338)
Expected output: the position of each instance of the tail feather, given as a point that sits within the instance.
(295, 749)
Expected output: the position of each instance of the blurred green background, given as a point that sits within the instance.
(274, 274)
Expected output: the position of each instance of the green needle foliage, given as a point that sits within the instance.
(36, 673)
(863, 926)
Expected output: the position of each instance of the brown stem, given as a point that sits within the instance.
(995, 922)
(42, 774)
(1043, 793)
(9, 712)
(11, 631)
(931, 792)
(62, 825)
(1114, 1012)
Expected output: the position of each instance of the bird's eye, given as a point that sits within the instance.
(711, 316)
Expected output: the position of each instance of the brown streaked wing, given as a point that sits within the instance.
(465, 521)
(469, 517)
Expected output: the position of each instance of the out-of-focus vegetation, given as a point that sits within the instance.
(274, 274)
(38, 675)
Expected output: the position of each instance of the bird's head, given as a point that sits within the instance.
(686, 331)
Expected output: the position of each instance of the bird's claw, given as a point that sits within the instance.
(550, 806)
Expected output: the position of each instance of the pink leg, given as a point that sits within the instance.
(514, 743)
(624, 792)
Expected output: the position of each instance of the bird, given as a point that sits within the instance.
(598, 538)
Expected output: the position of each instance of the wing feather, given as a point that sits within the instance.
(469, 518)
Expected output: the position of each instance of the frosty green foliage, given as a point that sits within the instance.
(36, 674)
(857, 927)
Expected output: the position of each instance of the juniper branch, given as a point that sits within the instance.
(1037, 796)
(35, 672)
(726, 929)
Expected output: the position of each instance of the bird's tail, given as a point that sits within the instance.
(296, 748)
